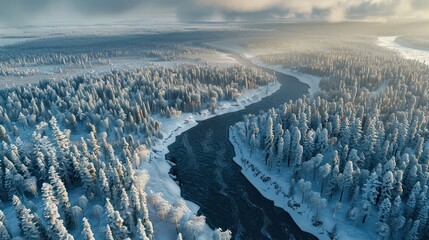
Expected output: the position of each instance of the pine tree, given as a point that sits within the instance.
(116, 223)
(268, 143)
(396, 221)
(61, 194)
(410, 206)
(125, 210)
(135, 206)
(108, 234)
(302, 125)
(141, 233)
(383, 218)
(305, 188)
(324, 172)
(386, 186)
(26, 220)
(56, 229)
(346, 179)
(103, 185)
(4, 233)
(87, 232)
(370, 194)
(129, 174)
(333, 181)
(287, 146)
(423, 218)
(316, 160)
(9, 179)
(414, 232)
(5, 225)
(87, 176)
(397, 185)
(280, 154)
(297, 161)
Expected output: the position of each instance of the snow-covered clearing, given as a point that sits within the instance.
(275, 186)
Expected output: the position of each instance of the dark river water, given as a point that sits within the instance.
(210, 178)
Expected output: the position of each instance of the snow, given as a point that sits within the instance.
(232, 45)
(408, 53)
(311, 80)
(158, 167)
(254, 170)
(56, 72)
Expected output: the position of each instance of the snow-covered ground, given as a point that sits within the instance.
(311, 80)
(409, 53)
(158, 167)
(277, 187)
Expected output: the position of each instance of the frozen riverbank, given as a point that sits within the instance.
(407, 52)
(231, 46)
(275, 186)
(311, 80)
(158, 168)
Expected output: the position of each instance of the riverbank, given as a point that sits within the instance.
(404, 42)
(252, 56)
(158, 167)
(407, 52)
(312, 81)
(275, 186)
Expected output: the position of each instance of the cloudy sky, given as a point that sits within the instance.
(15, 12)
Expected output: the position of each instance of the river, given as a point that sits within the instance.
(208, 176)
(391, 42)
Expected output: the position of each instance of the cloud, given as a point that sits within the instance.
(420, 4)
(24, 11)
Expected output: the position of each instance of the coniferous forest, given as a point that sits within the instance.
(360, 143)
(328, 131)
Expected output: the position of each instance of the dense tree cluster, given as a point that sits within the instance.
(22, 63)
(39, 157)
(364, 139)
(348, 64)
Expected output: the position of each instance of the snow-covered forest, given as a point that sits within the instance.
(357, 152)
(17, 61)
(72, 150)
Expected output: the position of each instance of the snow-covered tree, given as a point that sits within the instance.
(87, 232)
(141, 232)
(369, 194)
(56, 227)
(218, 234)
(26, 220)
(346, 179)
(61, 194)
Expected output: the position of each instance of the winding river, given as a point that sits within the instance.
(209, 177)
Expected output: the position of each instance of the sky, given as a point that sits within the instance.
(24, 12)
